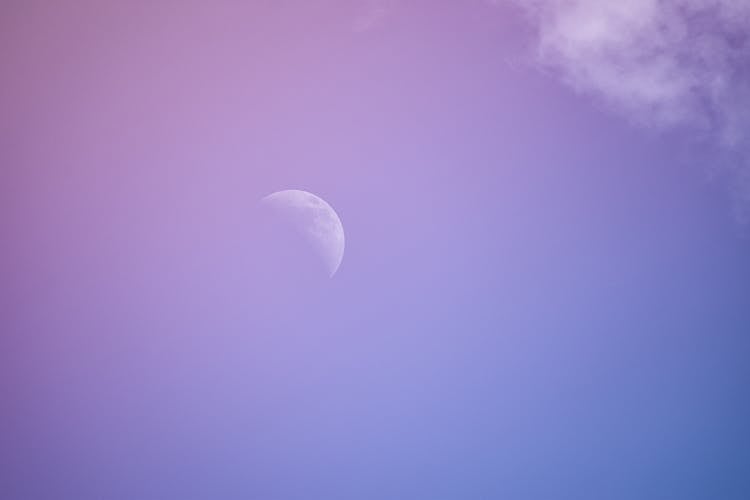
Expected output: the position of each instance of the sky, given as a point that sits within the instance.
(545, 291)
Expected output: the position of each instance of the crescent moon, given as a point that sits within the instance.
(315, 219)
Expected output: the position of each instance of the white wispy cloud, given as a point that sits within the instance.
(372, 13)
(660, 63)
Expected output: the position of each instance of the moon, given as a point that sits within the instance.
(315, 219)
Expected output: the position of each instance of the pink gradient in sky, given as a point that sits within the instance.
(537, 299)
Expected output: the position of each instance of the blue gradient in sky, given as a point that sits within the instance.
(537, 300)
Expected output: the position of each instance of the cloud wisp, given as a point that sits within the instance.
(660, 63)
(372, 14)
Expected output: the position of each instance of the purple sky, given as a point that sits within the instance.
(545, 291)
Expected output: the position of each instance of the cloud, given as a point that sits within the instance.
(372, 14)
(660, 63)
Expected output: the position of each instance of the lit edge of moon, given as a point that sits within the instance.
(315, 219)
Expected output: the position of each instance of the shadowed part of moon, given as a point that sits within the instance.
(315, 220)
